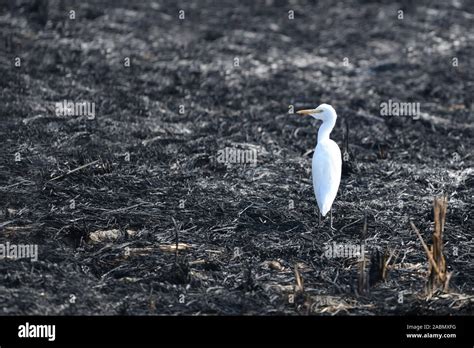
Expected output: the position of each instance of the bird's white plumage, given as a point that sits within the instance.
(327, 166)
(327, 162)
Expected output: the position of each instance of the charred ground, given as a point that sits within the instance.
(233, 220)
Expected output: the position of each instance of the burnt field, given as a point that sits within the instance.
(136, 203)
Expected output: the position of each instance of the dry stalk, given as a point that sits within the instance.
(438, 277)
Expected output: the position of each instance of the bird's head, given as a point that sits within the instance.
(323, 112)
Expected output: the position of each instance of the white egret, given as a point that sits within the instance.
(327, 163)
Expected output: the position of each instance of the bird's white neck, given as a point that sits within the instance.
(326, 129)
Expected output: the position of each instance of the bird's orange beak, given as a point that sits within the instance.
(308, 112)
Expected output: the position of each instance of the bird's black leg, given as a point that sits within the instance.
(332, 228)
(319, 218)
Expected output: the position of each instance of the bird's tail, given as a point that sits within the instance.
(325, 209)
